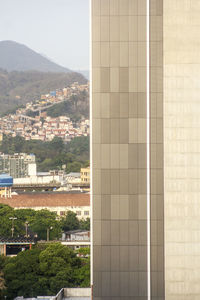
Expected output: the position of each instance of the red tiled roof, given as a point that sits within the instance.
(47, 200)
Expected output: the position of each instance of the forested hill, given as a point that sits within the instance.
(51, 155)
(18, 88)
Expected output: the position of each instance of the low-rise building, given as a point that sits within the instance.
(60, 203)
(85, 175)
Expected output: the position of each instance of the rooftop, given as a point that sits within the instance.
(47, 200)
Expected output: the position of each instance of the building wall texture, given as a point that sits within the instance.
(182, 148)
(119, 149)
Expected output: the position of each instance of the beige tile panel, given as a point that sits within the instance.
(105, 54)
(96, 132)
(96, 156)
(133, 80)
(115, 156)
(114, 105)
(124, 80)
(105, 131)
(114, 79)
(105, 80)
(114, 54)
(123, 156)
(133, 7)
(142, 5)
(105, 156)
(133, 54)
(96, 8)
(142, 28)
(114, 29)
(96, 29)
(133, 28)
(142, 54)
(124, 28)
(96, 73)
(124, 105)
(105, 7)
(133, 130)
(96, 105)
(115, 130)
(105, 28)
(141, 79)
(114, 7)
(133, 105)
(96, 57)
(141, 135)
(124, 131)
(105, 105)
(124, 54)
(124, 7)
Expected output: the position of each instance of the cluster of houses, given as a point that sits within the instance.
(43, 127)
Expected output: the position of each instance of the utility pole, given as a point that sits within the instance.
(12, 229)
(48, 230)
(26, 225)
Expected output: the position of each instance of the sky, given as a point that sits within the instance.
(58, 29)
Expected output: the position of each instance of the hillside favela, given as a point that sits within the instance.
(44, 177)
(35, 123)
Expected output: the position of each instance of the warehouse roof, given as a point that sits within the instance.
(47, 200)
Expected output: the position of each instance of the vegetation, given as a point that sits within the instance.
(38, 222)
(18, 88)
(51, 155)
(43, 271)
(75, 108)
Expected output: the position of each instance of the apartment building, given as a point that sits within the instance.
(18, 165)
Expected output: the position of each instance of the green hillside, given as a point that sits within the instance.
(18, 88)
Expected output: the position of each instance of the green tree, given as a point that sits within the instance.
(6, 212)
(35, 272)
(44, 220)
(22, 274)
(70, 222)
(85, 224)
(75, 166)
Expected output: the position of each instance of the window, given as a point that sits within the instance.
(86, 213)
(78, 213)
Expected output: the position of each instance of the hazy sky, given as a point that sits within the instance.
(58, 29)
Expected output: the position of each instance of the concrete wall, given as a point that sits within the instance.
(38, 180)
(77, 292)
(182, 148)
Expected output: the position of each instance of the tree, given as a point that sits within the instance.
(22, 274)
(35, 272)
(70, 222)
(45, 220)
(6, 212)
(85, 224)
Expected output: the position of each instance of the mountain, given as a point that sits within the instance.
(18, 88)
(85, 73)
(18, 57)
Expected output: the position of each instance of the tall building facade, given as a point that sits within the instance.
(145, 149)
(18, 165)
